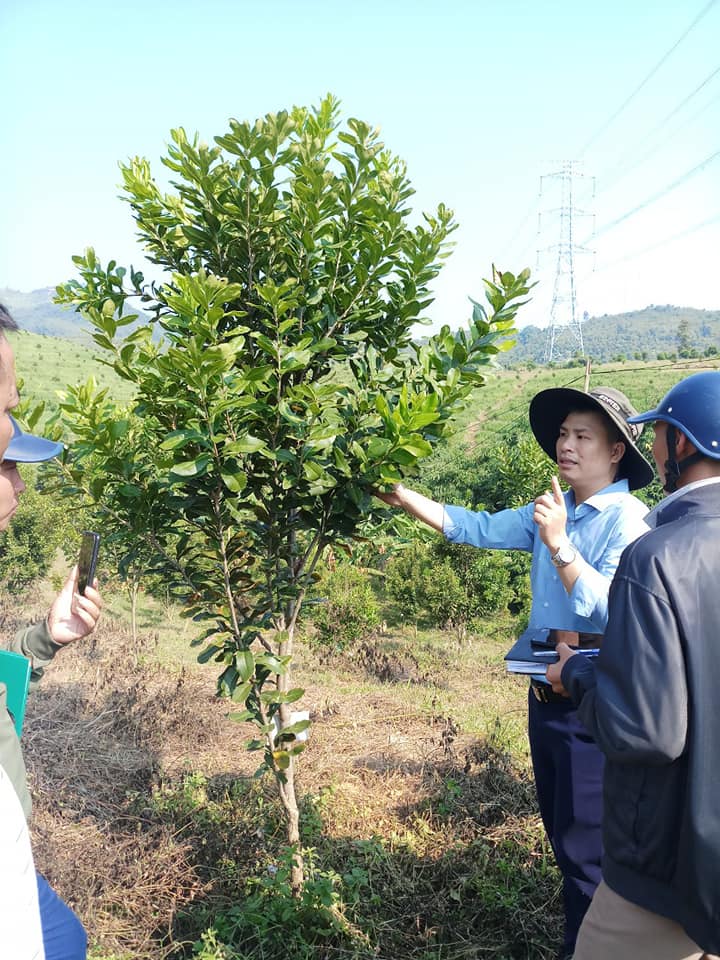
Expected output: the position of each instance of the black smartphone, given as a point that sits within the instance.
(87, 561)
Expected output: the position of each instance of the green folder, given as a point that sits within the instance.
(15, 675)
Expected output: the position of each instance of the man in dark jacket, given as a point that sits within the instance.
(650, 702)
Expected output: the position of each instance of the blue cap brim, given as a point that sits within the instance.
(27, 448)
(645, 417)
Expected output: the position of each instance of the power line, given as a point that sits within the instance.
(508, 247)
(706, 9)
(660, 243)
(672, 365)
(626, 168)
(507, 420)
(661, 193)
(688, 98)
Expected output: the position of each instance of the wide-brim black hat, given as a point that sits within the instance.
(549, 408)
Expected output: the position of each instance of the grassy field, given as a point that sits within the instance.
(48, 364)
(503, 402)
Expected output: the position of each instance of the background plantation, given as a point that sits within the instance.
(47, 364)
(417, 806)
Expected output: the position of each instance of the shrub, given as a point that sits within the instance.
(269, 921)
(347, 611)
(467, 584)
(406, 576)
(450, 585)
(41, 525)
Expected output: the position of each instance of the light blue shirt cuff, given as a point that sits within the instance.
(450, 529)
(589, 596)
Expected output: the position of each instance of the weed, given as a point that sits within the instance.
(270, 922)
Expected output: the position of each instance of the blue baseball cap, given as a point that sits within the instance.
(27, 448)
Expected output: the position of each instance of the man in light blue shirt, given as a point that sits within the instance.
(576, 539)
(598, 528)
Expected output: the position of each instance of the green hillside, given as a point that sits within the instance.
(36, 313)
(501, 406)
(46, 365)
(640, 334)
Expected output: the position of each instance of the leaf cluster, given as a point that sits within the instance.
(277, 380)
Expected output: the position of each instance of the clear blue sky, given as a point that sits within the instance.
(480, 97)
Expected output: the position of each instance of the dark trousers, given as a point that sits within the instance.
(63, 935)
(568, 768)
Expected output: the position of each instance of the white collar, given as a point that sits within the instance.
(651, 518)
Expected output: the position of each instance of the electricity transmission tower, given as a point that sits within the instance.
(565, 327)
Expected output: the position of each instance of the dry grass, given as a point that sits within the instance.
(392, 781)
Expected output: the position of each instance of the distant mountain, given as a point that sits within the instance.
(36, 313)
(641, 334)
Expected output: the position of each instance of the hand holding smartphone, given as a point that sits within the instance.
(87, 560)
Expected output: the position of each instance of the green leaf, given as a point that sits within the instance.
(129, 490)
(293, 695)
(180, 438)
(235, 481)
(275, 664)
(241, 716)
(247, 444)
(282, 759)
(245, 663)
(378, 447)
(191, 468)
(417, 448)
(275, 696)
(209, 652)
(295, 728)
(241, 692)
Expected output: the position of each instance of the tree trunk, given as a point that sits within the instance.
(133, 588)
(292, 822)
(287, 788)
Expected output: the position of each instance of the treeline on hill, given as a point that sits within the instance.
(657, 332)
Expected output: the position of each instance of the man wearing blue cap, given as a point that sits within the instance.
(71, 617)
(650, 702)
